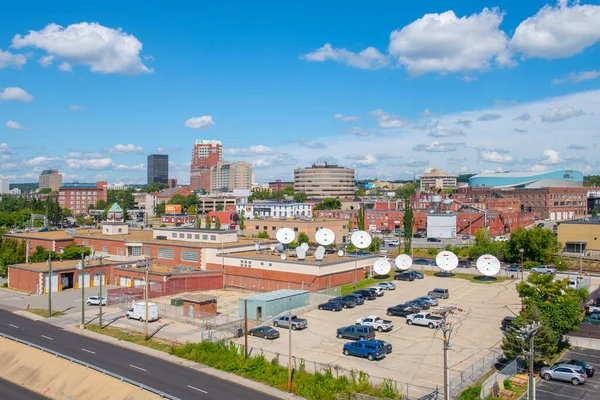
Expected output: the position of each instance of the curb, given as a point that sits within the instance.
(271, 391)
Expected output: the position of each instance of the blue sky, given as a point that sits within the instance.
(392, 90)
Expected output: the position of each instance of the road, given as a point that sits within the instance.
(170, 378)
(10, 391)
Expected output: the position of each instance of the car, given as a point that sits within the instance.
(357, 298)
(345, 301)
(514, 268)
(95, 301)
(507, 323)
(402, 310)
(387, 285)
(287, 321)
(465, 237)
(265, 332)
(368, 349)
(464, 264)
(378, 290)
(421, 261)
(592, 319)
(331, 306)
(433, 301)
(543, 269)
(386, 346)
(415, 305)
(592, 309)
(404, 276)
(418, 235)
(367, 294)
(425, 319)
(432, 239)
(564, 372)
(376, 322)
(439, 293)
(356, 332)
(589, 370)
(433, 262)
(424, 305)
(416, 274)
(500, 239)
(393, 243)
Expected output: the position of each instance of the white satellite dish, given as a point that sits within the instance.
(285, 235)
(272, 247)
(382, 266)
(325, 236)
(283, 256)
(320, 253)
(446, 260)
(488, 265)
(304, 246)
(340, 253)
(403, 261)
(257, 245)
(280, 248)
(300, 253)
(361, 239)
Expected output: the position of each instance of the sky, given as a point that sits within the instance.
(391, 88)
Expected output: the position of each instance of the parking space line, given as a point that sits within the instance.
(141, 369)
(14, 326)
(556, 394)
(47, 337)
(195, 388)
(88, 351)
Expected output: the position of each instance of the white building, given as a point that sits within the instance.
(438, 179)
(442, 226)
(274, 210)
(4, 185)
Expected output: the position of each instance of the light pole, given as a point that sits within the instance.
(528, 334)
(50, 284)
(82, 273)
(447, 330)
(581, 257)
(147, 264)
(101, 297)
(522, 272)
(289, 386)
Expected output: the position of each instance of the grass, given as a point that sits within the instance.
(132, 337)
(43, 312)
(368, 282)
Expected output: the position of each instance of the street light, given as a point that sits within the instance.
(522, 251)
(147, 264)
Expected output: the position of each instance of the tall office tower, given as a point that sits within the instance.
(158, 168)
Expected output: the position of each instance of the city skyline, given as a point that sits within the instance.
(390, 92)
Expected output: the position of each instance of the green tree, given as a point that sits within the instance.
(595, 212)
(191, 210)
(190, 200)
(242, 221)
(303, 238)
(263, 235)
(349, 225)
(262, 194)
(45, 191)
(154, 187)
(375, 245)
(485, 245)
(217, 222)
(122, 197)
(219, 207)
(360, 219)
(329, 204)
(408, 221)
(207, 223)
(178, 199)
(12, 252)
(159, 209)
(288, 191)
(539, 245)
(405, 191)
(545, 342)
(360, 193)
(300, 197)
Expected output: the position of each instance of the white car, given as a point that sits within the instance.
(500, 239)
(386, 285)
(376, 322)
(95, 301)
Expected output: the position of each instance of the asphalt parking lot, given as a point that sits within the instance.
(557, 390)
(417, 356)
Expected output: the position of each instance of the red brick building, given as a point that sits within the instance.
(78, 197)
(167, 194)
(205, 154)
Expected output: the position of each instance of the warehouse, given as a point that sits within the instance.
(268, 305)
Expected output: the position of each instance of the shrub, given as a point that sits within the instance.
(530, 264)
(263, 235)
(432, 251)
(472, 393)
(507, 384)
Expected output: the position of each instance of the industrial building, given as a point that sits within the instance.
(310, 227)
(79, 197)
(260, 210)
(264, 306)
(580, 236)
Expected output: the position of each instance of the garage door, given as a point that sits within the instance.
(139, 282)
(54, 282)
(86, 280)
(97, 279)
(124, 281)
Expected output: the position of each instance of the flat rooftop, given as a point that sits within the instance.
(50, 235)
(584, 221)
(275, 295)
(269, 255)
(57, 265)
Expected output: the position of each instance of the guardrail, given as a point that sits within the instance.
(91, 366)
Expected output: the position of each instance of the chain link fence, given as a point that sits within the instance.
(474, 372)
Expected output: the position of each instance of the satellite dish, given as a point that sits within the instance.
(285, 235)
(361, 239)
(272, 247)
(320, 253)
(382, 266)
(257, 245)
(304, 246)
(403, 261)
(283, 256)
(341, 253)
(446, 260)
(280, 248)
(488, 265)
(325, 236)
(300, 253)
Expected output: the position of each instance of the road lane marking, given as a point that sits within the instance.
(88, 351)
(47, 337)
(141, 369)
(195, 388)
(14, 326)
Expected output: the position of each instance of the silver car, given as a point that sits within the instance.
(386, 285)
(434, 302)
(564, 372)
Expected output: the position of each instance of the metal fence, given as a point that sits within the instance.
(91, 366)
(474, 372)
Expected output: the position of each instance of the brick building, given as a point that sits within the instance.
(205, 154)
(167, 194)
(271, 226)
(78, 197)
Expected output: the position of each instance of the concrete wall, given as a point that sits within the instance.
(588, 233)
(586, 343)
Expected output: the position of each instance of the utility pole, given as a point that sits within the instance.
(581, 257)
(246, 329)
(147, 287)
(49, 288)
(290, 353)
(522, 272)
(82, 273)
(447, 330)
(528, 334)
(101, 298)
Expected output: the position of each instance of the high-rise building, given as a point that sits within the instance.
(158, 168)
(438, 179)
(205, 154)
(324, 180)
(4, 185)
(50, 179)
(225, 176)
(78, 197)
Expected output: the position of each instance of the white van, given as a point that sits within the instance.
(500, 239)
(138, 311)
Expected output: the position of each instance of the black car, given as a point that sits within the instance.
(416, 274)
(589, 370)
(331, 306)
(418, 306)
(356, 332)
(401, 310)
(432, 239)
(345, 301)
(424, 305)
(356, 298)
(464, 264)
(421, 261)
(404, 276)
(507, 323)
(418, 235)
(514, 268)
(367, 294)
(265, 332)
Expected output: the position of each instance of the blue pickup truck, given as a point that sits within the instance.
(370, 349)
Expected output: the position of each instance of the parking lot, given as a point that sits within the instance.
(557, 390)
(417, 356)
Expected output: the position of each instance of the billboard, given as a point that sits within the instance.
(173, 208)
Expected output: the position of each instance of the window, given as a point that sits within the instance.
(295, 229)
(164, 252)
(197, 236)
(189, 235)
(84, 243)
(256, 227)
(189, 255)
(136, 251)
(105, 249)
(272, 228)
(147, 251)
(213, 237)
(174, 235)
(204, 237)
(181, 235)
(264, 228)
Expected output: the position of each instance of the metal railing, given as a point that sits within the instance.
(91, 366)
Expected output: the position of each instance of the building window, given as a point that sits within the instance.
(197, 236)
(256, 227)
(204, 237)
(174, 235)
(166, 253)
(181, 235)
(147, 251)
(295, 229)
(189, 235)
(136, 251)
(105, 249)
(189, 255)
(84, 243)
(213, 238)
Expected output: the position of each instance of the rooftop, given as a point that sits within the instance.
(275, 295)
(50, 235)
(57, 265)
(198, 298)
(268, 255)
(585, 221)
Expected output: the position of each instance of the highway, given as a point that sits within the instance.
(175, 380)
(10, 391)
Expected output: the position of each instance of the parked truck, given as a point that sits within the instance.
(286, 320)
(138, 311)
(425, 319)
(376, 322)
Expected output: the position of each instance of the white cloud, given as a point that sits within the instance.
(523, 117)
(126, 149)
(369, 58)
(8, 59)
(387, 120)
(16, 94)
(437, 147)
(426, 113)
(75, 107)
(15, 125)
(46, 61)
(42, 160)
(441, 131)
(551, 157)
(203, 122)
(489, 117)
(103, 49)
(137, 167)
(5, 149)
(65, 67)
(539, 168)
(346, 118)
(444, 43)
(495, 157)
(577, 77)
(467, 123)
(252, 150)
(369, 159)
(97, 163)
(555, 32)
(561, 113)
(358, 131)
(77, 154)
(159, 150)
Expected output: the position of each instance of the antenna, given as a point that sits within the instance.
(325, 236)
(382, 266)
(320, 253)
(361, 239)
(300, 253)
(446, 260)
(285, 236)
(403, 261)
(488, 265)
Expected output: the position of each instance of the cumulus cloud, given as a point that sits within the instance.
(346, 118)
(369, 159)
(561, 113)
(5, 149)
(15, 94)
(551, 157)
(369, 58)
(78, 154)
(444, 43)
(415, 163)
(489, 117)
(577, 77)
(137, 167)
(523, 117)
(437, 147)
(203, 122)
(105, 50)
(75, 107)
(427, 113)
(46, 61)
(555, 32)
(96, 163)
(126, 149)
(387, 120)
(42, 160)
(577, 147)
(65, 67)
(311, 145)
(284, 159)
(539, 168)
(495, 157)
(15, 125)
(8, 59)
(442, 131)
(467, 123)
(250, 151)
